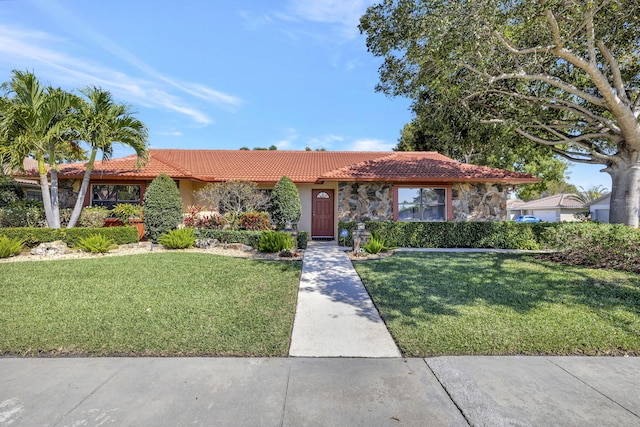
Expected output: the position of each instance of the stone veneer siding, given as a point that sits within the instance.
(374, 202)
(479, 202)
(365, 201)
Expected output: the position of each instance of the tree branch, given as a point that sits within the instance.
(553, 81)
(615, 71)
(595, 155)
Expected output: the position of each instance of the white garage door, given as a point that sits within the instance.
(548, 216)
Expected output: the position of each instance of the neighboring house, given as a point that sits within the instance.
(30, 186)
(556, 208)
(334, 186)
(599, 208)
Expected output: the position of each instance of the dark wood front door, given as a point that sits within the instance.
(322, 222)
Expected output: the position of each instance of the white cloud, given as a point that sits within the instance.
(371, 145)
(344, 12)
(288, 141)
(47, 54)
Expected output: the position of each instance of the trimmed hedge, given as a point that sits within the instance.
(246, 237)
(493, 235)
(33, 236)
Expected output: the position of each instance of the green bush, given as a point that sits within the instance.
(162, 207)
(249, 238)
(124, 211)
(375, 245)
(595, 245)
(303, 239)
(10, 191)
(93, 217)
(285, 203)
(25, 213)
(181, 238)
(496, 235)
(96, 243)
(9, 247)
(32, 236)
(272, 241)
(254, 221)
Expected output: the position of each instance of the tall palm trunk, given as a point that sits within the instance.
(77, 209)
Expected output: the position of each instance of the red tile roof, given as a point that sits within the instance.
(300, 166)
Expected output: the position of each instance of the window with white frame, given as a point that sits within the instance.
(422, 204)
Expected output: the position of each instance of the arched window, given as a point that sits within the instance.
(322, 195)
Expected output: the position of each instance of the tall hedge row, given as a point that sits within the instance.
(495, 235)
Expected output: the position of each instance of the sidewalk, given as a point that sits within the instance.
(335, 316)
(443, 391)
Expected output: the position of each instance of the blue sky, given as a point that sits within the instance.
(220, 75)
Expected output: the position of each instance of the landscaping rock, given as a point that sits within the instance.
(51, 249)
(239, 247)
(205, 243)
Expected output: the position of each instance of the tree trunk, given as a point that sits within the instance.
(46, 199)
(77, 209)
(625, 193)
(55, 208)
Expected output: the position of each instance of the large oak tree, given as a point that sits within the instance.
(564, 74)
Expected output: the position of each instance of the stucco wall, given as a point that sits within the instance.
(479, 202)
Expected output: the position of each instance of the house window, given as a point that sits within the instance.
(322, 195)
(422, 204)
(110, 195)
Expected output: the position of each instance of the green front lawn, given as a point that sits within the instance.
(499, 304)
(165, 304)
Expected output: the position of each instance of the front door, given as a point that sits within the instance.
(322, 222)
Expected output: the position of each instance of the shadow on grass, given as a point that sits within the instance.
(438, 284)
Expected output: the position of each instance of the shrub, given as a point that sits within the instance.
(32, 236)
(595, 245)
(181, 238)
(273, 241)
(497, 235)
(375, 245)
(93, 217)
(285, 203)
(97, 243)
(196, 219)
(249, 238)
(124, 211)
(254, 221)
(303, 239)
(10, 247)
(10, 191)
(233, 198)
(25, 213)
(162, 207)
(120, 235)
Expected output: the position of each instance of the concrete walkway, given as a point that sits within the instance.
(442, 391)
(335, 316)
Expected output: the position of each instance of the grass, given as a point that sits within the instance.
(501, 304)
(165, 304)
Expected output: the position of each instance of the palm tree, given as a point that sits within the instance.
(103, 123)
(591, 194)
(37, 121)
